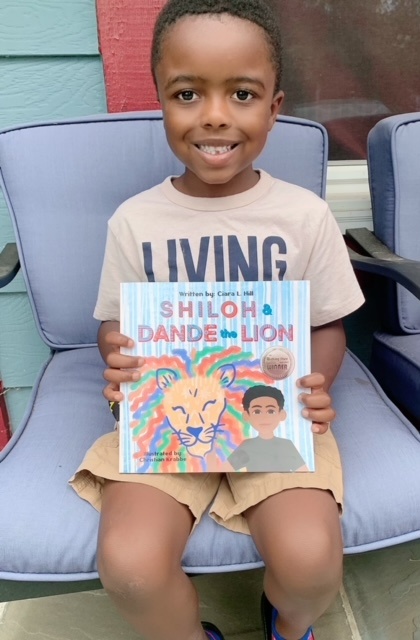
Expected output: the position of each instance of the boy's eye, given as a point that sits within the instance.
(187, 95)
(243, 95)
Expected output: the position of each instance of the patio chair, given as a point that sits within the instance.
(62, 181)
(394, 176)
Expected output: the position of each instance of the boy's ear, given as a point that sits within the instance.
(283, 415)
(275, 108)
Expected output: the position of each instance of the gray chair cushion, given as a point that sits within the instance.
(75, 174)
(394, 170)
(394, 174)
(395, 363)
(48, 533)
(65, 180)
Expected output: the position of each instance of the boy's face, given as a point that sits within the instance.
(216, 85)
(264, 415)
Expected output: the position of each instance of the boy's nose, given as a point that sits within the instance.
(215, 114)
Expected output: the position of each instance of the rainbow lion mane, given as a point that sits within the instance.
(150, 429)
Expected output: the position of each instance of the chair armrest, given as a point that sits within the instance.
(9, 264)
(382, 261)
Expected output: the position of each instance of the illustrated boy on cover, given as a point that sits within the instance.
(264, 410)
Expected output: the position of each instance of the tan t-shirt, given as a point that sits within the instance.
(274, 231)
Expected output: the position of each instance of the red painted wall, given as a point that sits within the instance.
(4, 419)
(345, 63)
(125, 34)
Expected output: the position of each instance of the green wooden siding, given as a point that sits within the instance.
(48, 87)
(50, 68)
(48, 27)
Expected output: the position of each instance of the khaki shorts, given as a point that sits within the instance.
(229, 495)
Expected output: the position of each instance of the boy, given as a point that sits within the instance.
(217, 66)
(264, 410)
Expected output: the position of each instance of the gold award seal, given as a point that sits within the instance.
(277, 362)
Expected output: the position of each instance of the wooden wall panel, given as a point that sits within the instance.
(6, 231)
(125, 34)
(44, 88)
(17, 399)
(21, 349)
(48, 27)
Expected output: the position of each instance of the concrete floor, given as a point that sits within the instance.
(380, 600)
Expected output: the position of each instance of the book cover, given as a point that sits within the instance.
(218, 389)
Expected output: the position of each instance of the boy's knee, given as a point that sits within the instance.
(315, 553)
(134, 573)
(322, 557)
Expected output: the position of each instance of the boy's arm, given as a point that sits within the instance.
(120, 367)
(328, 348)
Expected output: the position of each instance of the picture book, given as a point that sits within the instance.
(218, 388)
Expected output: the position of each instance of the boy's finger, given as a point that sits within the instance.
(320, 427)
(118, 339)
(119, 361)
(116, 376)
(319, 415)
(317, 400)
(112, 393)
(312, 381)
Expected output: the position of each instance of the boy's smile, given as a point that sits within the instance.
(216, 85)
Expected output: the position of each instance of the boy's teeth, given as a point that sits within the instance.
(214, 151)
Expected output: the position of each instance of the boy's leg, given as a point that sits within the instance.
(298, 535)
(142, 536)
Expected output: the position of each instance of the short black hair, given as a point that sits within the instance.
(262, 391)
(256, 11)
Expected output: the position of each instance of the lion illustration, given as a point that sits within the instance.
(194, 406)
(186, 409)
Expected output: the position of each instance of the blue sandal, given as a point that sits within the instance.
(212, 631)
(269, 615)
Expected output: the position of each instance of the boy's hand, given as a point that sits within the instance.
(120, 367)
(318, 404)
